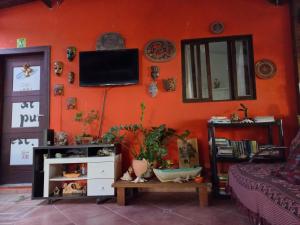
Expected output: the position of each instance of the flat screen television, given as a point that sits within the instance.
(109, 67)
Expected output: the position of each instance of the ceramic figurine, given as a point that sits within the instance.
(71, 52)
(169, 84)
(61, 138)
(153, 89)
(71, 103)
(154, 72)
(58, 89)
(58, 67)
(71, 77)
(27, 70)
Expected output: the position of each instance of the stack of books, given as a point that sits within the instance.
(264, 119)
(219, 119)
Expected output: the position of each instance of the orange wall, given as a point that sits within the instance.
(80, 23)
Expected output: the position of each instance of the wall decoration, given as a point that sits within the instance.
(25, 114)
(188, 153)
(58, 89)
(71, 77)
(160, 50)
(21, 151)
(58, 67)
(154, 72)
(71, 103)
(27, 70)
(265, 69)
(21, 43)
(26, 79)
(71, 52)
(169, 84)
(61, 138)
(153, 89)
(110, 40)
(216, 27)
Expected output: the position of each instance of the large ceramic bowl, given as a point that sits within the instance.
(165, 175)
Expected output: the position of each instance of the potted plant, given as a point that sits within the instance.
(149, 144)
(88, 120)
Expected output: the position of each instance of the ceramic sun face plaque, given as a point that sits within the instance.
(160, 50)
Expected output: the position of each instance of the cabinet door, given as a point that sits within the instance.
(100, 187)
(101, 170)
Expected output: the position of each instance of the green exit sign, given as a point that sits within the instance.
(21, 42)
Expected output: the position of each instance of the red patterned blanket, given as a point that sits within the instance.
(265, 194)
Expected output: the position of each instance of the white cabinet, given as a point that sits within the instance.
(101, 172)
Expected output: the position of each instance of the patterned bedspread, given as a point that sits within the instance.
(264, 193)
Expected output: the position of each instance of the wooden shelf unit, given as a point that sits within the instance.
(101, 171)
(215, 159)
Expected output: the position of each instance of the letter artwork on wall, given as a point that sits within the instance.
(25, 114)
(21, 151)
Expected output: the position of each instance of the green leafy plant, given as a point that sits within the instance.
(149, 143)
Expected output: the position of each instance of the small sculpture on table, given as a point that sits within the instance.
(245, 110)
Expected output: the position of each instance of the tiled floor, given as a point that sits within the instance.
(146, 209)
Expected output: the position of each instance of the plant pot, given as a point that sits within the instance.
(139, 167)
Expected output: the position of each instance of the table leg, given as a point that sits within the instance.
(203, 196)
(121, 196)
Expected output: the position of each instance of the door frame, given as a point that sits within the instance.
(45, 51)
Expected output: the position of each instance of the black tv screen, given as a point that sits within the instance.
(109, 67)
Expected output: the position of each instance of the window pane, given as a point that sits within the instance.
(203, 72)
(242, 68)
(188, 73)
(218, 56)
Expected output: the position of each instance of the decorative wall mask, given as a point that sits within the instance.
(169, 84)
(154, 72)
(71, 103)
(27, 70)
(153, 89)
(216, 27)
(58, 67)
(110, 40)
(265, 69)
(160, 50)
(58, 89)
(71, 52)
(71, 77)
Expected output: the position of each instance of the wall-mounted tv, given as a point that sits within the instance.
(109, 67)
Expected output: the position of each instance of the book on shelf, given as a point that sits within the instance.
(219, 119)
(264, 119)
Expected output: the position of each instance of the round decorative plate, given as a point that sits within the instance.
(216, 27)
(160, 50)
(110, 40)
(265, 69)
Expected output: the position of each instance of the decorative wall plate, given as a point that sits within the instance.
(216, 27)
(160, 50)
(110, 40)
(265, 69)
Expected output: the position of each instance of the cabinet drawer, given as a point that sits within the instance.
(99, 187)
(101, 170)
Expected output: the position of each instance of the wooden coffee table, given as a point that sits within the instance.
(202, 189)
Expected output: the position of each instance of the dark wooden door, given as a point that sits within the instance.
(25, 114)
